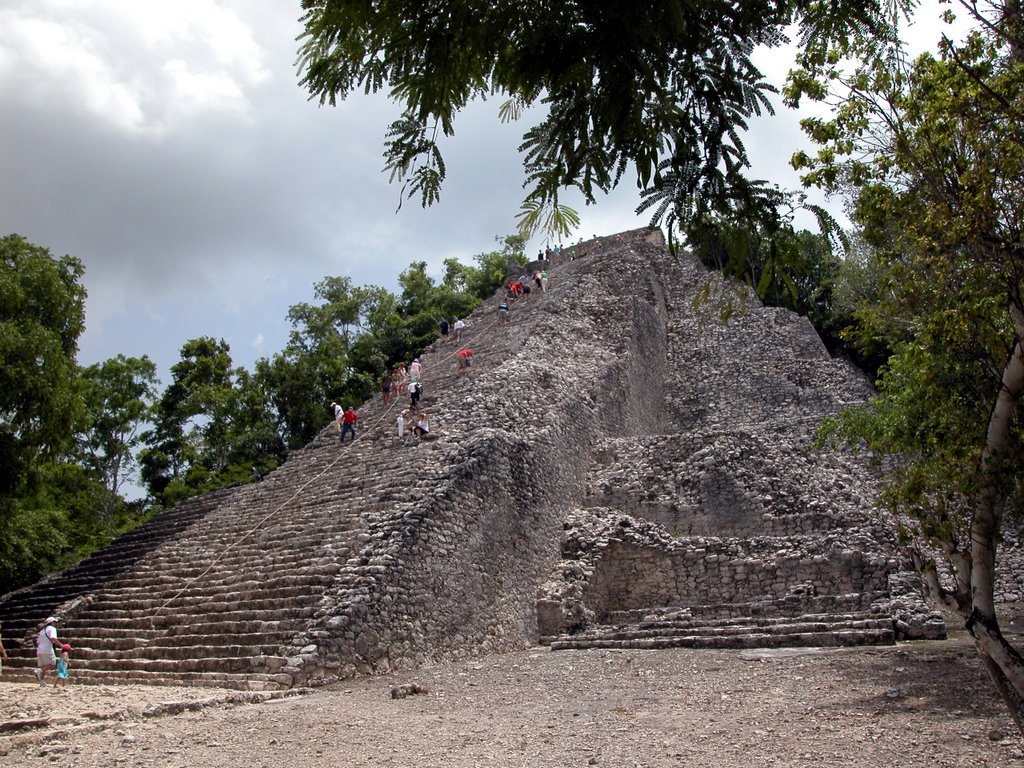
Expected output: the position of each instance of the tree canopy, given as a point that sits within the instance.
(931, 152)
(664, 88)
(42, 314)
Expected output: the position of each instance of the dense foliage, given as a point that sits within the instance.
(71, 437)
(931, 152)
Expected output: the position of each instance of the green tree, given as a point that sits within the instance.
(188, 440)
(490, 270)
(291, 381)
(118, 395)
(663, 87)
(934, 153)
(253, 443)
(42, 314)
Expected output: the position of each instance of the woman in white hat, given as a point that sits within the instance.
(46, 656)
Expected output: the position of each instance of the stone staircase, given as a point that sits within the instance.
(802, 630)
(651, 483)
(227, 589)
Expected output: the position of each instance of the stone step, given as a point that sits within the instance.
(159, 586)
(204, 657)
(731, 627)
(211, 659)
(235, 659)
(248, 681)
(169, 625)
(289, 543)
(198, 603)
(751, 639)
(93, 641)
(252, 611)
(99, 642)
(214, 585)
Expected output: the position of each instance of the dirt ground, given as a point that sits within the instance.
(920, 704)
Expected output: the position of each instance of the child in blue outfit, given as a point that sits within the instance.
(62, 666)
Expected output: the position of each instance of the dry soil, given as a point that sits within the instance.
(920, 704)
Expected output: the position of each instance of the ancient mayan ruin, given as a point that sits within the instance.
(620, 468)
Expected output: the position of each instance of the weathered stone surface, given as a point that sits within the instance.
(617, 460)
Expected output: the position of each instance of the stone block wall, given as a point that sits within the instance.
(630, 577)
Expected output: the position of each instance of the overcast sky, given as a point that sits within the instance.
(169, 146)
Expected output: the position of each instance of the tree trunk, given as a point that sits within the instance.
(1004, 664)
(999, 657)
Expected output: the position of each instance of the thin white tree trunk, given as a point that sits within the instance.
(1005, 665)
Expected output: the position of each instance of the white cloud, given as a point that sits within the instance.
(139, 67)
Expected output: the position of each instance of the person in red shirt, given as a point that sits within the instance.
(464, 356)
(348, 424)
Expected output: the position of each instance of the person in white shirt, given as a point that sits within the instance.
(46, 654)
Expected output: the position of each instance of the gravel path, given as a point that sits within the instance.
(921, 704)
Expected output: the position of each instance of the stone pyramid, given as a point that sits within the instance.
(618, 468)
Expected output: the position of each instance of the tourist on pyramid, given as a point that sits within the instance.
(465, 358)
(415, 392)
(349, 420)
(385, 387)
(544, 281)
(415, 369)
(46, 655)
(337, 416)
(422, 425)
(445, 327)
(402, 377)
(536, 278)
(404, 417)
(457, 328)
(503, 310)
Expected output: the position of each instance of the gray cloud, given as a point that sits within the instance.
(170, 147)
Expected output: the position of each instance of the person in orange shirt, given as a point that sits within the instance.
(464, 356)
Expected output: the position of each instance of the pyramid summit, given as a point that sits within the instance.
(618, 468)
